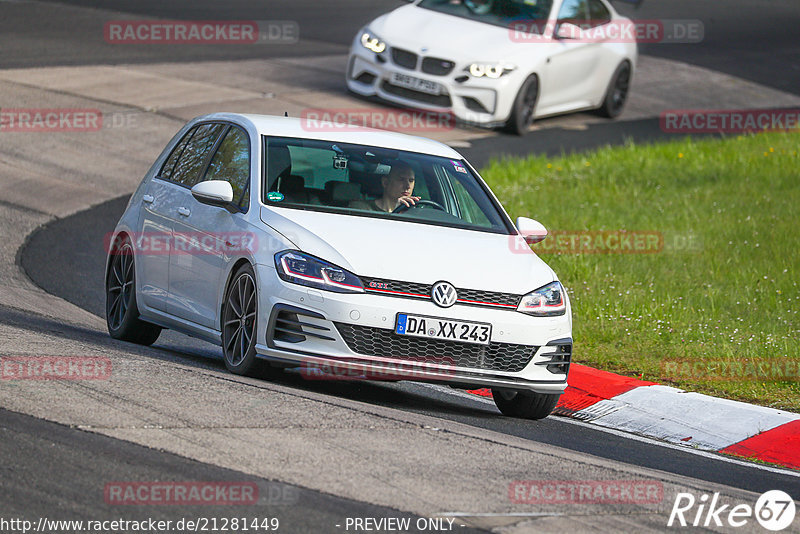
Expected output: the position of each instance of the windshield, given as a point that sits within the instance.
(377, 182)
(495, 12)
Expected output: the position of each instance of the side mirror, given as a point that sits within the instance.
(532, 231)
(213, 192)
(567, 30)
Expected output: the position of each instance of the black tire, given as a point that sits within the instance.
(524, 110)
(617, 92)
(239, 314)
(524, 404)
(122, 312)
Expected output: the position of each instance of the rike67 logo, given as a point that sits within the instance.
(774, 510)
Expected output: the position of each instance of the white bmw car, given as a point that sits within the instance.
(382, 254)
(497, 62)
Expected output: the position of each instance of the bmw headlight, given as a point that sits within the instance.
(372, 42)
(306, 270)
(546, 301)
(490, 70)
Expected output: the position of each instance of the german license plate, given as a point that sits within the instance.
(418, 84)
(438, 328)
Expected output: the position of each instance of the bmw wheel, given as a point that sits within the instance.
(239, 314)
(524, 404)
(122, 313)
(617, 92)
(523, 112)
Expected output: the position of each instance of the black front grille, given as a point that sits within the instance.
(435, 100)
(437, 66)
(397, 288)
(468, 297)
(404, 58)
(477, 297)
(381, 342)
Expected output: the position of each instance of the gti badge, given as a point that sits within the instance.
(444, 294)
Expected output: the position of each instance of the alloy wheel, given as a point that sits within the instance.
(621, 88)
(120, 286)
(239, 318)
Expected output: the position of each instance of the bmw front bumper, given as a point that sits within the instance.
(484, 102)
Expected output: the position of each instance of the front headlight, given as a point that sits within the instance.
(490, 70)
(546, 301)
(306, 270)
(371, 42)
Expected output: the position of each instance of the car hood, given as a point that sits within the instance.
(449, 37)
(413, 252)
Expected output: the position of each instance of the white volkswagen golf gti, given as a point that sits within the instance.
(375, 252)
(497, 62)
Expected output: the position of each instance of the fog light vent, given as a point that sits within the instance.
(559, 356)
(287, 324)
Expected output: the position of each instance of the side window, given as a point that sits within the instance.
(169, 165)
(470, 210)
(187, 169)
(598, 13)
(232, 164)
(574, 12)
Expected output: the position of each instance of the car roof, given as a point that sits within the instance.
(273, 125)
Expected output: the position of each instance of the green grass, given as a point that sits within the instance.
(724, 287)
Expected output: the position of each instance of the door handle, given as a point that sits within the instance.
(148, 199)
(184, 211)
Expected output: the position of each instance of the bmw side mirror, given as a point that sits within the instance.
(214, 193)
(532, 231)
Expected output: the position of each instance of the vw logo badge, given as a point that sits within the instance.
(444, 294)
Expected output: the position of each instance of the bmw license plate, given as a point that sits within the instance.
(418, 84)
(438, 328)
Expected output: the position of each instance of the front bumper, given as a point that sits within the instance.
(484, 102)
(353, 336)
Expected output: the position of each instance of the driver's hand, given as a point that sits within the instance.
(407, 201)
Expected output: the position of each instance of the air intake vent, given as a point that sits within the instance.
(366, 77)
(559, 354)
(288, 324)
(474, 105)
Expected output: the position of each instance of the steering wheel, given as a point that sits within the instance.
(403, 208)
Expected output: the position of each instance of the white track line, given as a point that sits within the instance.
(635, 437)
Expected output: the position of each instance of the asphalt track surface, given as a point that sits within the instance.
(43, 257)
(33, 450)
(750, 39)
